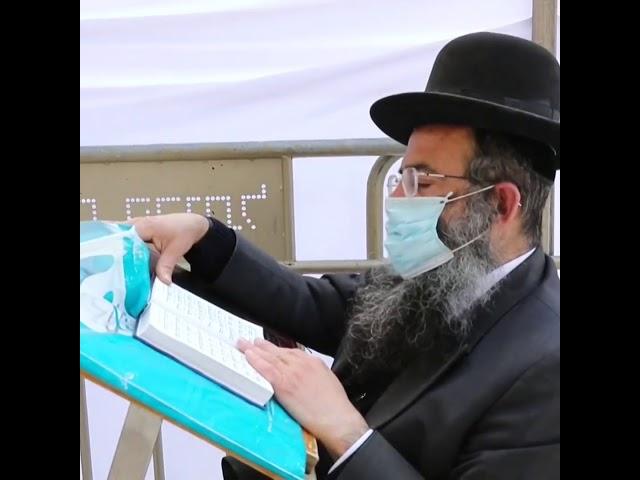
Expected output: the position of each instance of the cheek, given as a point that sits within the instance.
(453, 212)
(445, 221)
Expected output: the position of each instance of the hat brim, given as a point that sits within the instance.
(398, 115)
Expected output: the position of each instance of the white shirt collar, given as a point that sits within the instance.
(502, 271)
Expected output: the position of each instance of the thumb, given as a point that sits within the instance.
(166, 264)
(143, 228)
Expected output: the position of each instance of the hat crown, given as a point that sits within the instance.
(502, 69)
(487, 81)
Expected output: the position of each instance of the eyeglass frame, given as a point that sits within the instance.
(419, 172)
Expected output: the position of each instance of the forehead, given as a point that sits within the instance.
(442, 149)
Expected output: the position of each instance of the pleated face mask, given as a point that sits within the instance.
(412, 236)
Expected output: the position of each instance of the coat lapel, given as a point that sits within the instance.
(427, 368)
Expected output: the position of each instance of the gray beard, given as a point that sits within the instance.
(392, 319)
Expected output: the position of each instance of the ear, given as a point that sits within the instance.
(509, 202)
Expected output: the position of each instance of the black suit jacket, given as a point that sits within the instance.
(488, 410)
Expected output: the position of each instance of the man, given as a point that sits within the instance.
(447, 362)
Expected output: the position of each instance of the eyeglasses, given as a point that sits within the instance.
(412, 179)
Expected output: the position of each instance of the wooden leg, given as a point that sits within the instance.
(158, 458)
(136, 444)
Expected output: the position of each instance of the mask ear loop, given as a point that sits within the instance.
(463, 196)
(446, 198)
(468, 194)
(468, 243)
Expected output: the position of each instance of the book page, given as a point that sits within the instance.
(204, 327)
(216, 321)
(199, 339)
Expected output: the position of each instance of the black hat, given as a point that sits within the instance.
(485, 80)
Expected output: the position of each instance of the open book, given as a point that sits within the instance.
(203, 337)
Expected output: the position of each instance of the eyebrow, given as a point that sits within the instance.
(421, 168)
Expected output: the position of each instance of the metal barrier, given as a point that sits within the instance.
(388, 151)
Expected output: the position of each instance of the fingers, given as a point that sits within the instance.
(168, 260)
(143, 227)
(243, 345)
(286, 369)
(269, 347)
(269, 352)
(266, 359)
(264, 367)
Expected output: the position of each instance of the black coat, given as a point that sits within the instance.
(489, 410)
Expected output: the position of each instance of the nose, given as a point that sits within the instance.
(398, 191)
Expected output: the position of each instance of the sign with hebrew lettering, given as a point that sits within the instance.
(248, 195)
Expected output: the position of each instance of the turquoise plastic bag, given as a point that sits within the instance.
(115, 287)
(115, 280)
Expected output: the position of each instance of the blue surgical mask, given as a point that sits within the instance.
(412, 236)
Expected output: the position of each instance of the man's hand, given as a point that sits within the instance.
(310, 392)
(171, 236)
